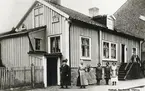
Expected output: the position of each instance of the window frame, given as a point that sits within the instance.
(39, 15)
(40, 44)
(110, 49)
(49, 42)
(83, 57)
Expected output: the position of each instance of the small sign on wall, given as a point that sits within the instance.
(55, 19)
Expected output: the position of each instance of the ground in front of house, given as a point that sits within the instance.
(130, 85)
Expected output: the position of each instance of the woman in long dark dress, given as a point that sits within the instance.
(65, 71)
(98, 73)
(107, 73)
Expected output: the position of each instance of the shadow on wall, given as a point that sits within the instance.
(1, 63)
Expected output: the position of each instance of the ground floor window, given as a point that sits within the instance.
(85, 47)
(55, 44)
(109, 50)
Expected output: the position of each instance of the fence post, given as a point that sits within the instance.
(32, 75)
(24, 75)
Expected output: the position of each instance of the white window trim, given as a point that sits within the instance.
(49, 45)
(81, 57)
(33, 16)
(110, 59)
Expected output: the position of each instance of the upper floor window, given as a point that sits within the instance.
(38, 15)
(85, 47)
(109, 51)
(55, 44)
(37, 44)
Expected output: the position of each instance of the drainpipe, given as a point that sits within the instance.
(70, 24)
(141, 43)
(100, 45)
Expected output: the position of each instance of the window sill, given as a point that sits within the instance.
(109, 60)
(86, 58)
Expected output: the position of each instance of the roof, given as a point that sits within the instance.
(76, 15)
(20, 33)
(127, 18)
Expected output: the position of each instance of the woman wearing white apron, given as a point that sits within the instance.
(114, 74)
(83, 78)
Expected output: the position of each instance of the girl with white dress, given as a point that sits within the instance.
(114, 74)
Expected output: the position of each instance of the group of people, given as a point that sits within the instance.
(110, 72)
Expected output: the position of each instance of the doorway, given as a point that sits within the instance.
(123, 53)
(52, 71)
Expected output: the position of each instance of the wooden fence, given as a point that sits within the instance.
(21, 76)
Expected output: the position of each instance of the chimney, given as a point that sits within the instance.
(55, 1)
(94, 11)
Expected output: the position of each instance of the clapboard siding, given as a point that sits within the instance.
(129, 42)
(52, 29)
(75, 33)
(57, 28)
(14, 51)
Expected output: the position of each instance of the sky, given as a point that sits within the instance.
(13, 10)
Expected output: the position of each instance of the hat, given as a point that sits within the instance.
(64, 60)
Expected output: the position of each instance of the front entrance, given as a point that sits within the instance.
(52, 71)
(123, 53)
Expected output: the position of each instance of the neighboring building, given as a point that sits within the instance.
(49, 33)
(130, 17)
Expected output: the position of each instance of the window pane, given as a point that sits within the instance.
(36, 21)
(36, 12)
(106, 50)
(55, 44)
(41, 20)
(113, 51)
(37, 44)
(40, 10)
(85, 47)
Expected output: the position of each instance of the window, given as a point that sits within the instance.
(85, 47)
(37, 43)
(55, 44)
(38, 15)
(109, 51)
(113, 51)
(106, 50)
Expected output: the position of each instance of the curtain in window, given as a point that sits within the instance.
(113, 51)
(106, 50)
(85, 47)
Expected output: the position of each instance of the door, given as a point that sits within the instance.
(123, 53)
(52, 71)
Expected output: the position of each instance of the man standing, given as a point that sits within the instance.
(65, 74)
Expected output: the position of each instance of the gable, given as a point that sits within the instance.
(30, 13)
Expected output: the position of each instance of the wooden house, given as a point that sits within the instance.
(130, 17)
(50, 32)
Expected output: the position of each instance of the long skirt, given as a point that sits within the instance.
(83, 78)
